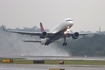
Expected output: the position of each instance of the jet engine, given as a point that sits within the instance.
(75, 35)
(43, 34)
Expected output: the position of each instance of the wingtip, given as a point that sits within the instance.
(4, 28)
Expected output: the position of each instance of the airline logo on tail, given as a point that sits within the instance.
(41, 27)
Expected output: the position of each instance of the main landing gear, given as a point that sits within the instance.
(65, 43)
(47, 43)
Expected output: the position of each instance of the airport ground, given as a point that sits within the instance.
(27, 63)
(48, 67)
(62, 60)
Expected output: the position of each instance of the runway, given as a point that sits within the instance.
(47, 67)
(53, 57)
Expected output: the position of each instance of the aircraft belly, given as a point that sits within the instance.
(57, 36)
(53, 39)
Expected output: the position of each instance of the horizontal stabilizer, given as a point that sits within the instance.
(31, 41)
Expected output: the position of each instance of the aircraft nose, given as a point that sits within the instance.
(71, 22)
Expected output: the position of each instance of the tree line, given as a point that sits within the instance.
(90, 46)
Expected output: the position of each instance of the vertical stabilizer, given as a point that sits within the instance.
(41, 27)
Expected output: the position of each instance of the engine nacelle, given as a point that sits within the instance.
(43, 34)
(43, 41)
(75, 35)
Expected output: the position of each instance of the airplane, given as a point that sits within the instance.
(62, 30)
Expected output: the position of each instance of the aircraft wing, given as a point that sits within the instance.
(39, 33)
(26, 32)
(80, 34)
(83, 34)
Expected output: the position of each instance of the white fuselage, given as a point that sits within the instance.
(63, 25)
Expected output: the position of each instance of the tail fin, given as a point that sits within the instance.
(41, 27)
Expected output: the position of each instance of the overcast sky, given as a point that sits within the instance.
(88, 15)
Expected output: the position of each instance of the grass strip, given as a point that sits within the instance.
(76, 62)
(68, 62)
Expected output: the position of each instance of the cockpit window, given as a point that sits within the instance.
(69, 20)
